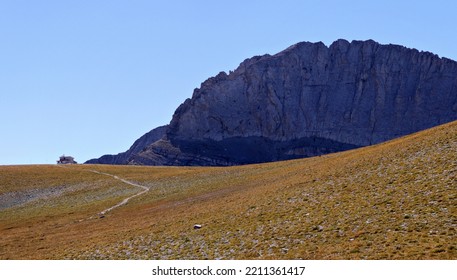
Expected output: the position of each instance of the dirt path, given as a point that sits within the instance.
(123, 202)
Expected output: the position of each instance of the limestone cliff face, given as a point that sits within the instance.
(308, 100)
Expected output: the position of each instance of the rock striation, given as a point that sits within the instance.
(307, 100)
(140, 144)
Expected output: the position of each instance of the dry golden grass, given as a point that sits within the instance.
(395, 200)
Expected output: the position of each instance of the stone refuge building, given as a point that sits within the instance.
(66, 160)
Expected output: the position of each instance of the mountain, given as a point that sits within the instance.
(307, 100)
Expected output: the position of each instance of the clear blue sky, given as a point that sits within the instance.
(87, 78)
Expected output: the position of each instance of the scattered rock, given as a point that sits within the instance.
(318, 228)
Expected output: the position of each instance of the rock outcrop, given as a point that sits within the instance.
(140, 144)
(307, 100)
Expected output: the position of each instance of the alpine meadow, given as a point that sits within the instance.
(394, 200)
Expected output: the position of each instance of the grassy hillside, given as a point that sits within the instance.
(396, 200)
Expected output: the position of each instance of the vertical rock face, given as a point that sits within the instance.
(308, 100)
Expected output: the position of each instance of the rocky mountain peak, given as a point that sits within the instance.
(308, 100)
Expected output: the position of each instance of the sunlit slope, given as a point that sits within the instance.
(395, 200)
